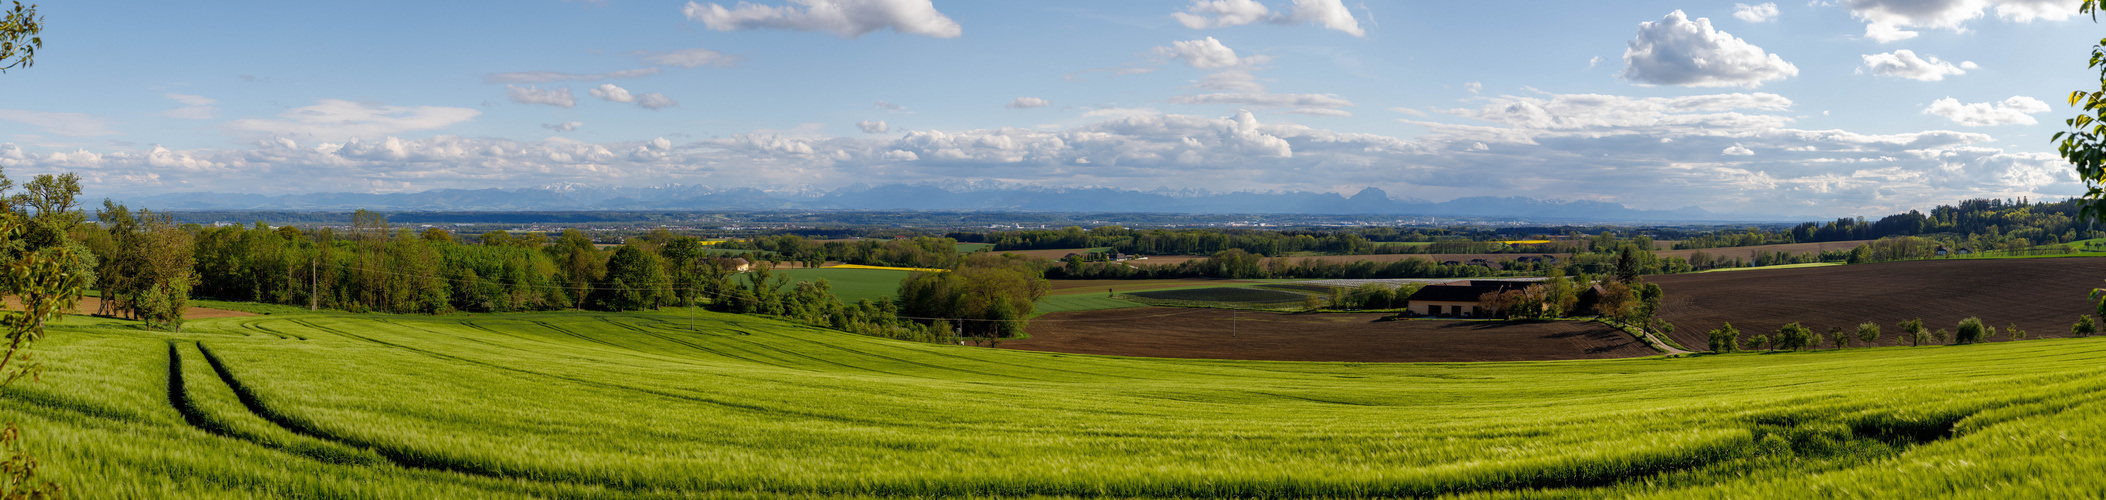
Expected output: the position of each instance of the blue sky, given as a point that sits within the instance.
(1823, 108)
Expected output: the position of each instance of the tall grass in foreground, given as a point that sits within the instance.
(638, 405)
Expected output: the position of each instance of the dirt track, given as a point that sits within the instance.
(1205, 333)
(2043, 296)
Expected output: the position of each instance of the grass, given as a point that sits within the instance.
(589, 405)
(852, 284)
(974, 247)
(1080, 302)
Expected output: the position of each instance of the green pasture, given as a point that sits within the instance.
(1080, 302)
(974, 247)
(851, 284)
(638, 405)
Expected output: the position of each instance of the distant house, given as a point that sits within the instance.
(736, 264)
(1942, 250)
(1458, 299)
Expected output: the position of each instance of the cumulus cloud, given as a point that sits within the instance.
(690, 58)
(195, 107)
(873, 127)
(1678, 51)
(843, 18)
(1319, 112)
(552, 76)
(337, 119)
(1027, 102)
(1738, 150)
(1904, 64)
(563, 127)
(1206, 54)
(1885, 20)
(1755, 13)
(611, 93)
(655, 100)
(1473, 87)
(1330, 14)
(1265, 100)
(1203, 14)
(2014, 111)
(558, 97)
(59, 123)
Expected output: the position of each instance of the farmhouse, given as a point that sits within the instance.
(735, 264)
(1458, 298)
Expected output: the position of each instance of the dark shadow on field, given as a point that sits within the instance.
(1355, 337)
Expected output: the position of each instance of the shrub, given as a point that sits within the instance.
(1725, 338)
(1868, 332)
(2016, 333)
(2084, 326)
(1912, 331)
(1971, 330)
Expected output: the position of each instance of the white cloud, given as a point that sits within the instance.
(1885, 19)
(1203, 14)
(1027, 102)
(552, 76)
(1319, 112)
(655, 100)
(1330, 14)
(558, 97)
(843, 18)
(890, 106)
(611, 93)
(337, 119)
(1265, 100)
(1678, 51)
(2014, 111)
(195, 107)
(690, 58)
(1473, 87)
(873, 127)
(1904, 63)
(1206, 54)
(57, 123)
(563, 127)
(1763, 13)
(1737, 150)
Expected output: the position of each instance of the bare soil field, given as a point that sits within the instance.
(1071, 287)
(1746, 252)
(2042, 296)
(1393, 257)
(1205, 334)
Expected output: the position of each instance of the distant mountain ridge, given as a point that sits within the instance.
(967, 197)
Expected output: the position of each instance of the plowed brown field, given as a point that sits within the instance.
(2043, 296)
(1205, 333)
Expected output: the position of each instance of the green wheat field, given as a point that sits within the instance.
(590, 405)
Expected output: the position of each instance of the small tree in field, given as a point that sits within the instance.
(2016, 333)
(1868, 332)
(1838, 337)
(2084, 326)
(1939, 335)
(1912, 331)
(1971, 330)
(1793, 336)
(1760, 342)
(1725, 339)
